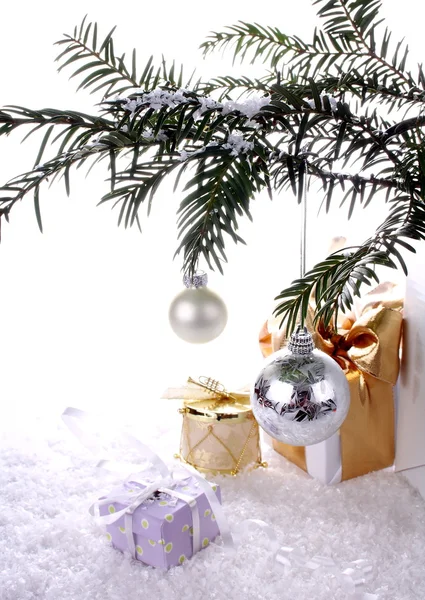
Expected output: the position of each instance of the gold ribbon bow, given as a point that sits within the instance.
(369, 347)
(210, 390)
(368, 352)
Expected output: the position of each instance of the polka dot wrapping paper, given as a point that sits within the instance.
(162, 525)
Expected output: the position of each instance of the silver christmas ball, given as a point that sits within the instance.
(301, 396)
(197, 315)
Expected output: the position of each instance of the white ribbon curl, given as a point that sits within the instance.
(353, 577)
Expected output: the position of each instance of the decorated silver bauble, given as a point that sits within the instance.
(301, 396)
(197, 315)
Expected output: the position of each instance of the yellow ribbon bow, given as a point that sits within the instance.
(369, 347)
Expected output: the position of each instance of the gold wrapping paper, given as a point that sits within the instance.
(368, 351)
(219, 432)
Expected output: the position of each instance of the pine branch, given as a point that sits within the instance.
(102, 69)
(100, 64)
(363, 23)
(16, 116)
(346, 43)
(222, 188)
(227, 84)
(366, 89)
(306, 120)
(132, 188)
(267, 43)
(19, 187)
(403, 127)
(337, 279)
(315, 170)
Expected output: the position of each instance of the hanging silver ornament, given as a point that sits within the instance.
(197, 315)
(301, 396)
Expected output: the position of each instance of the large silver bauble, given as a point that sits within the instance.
(301, 396)
(197, 315)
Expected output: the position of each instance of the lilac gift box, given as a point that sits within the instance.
(162, 525)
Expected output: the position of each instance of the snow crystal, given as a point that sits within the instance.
(156, 100)
(249, 107)
(159, 98)
(237, 145)
(184, 154)
(206, 104)
(132, 105)
(148, 134)
(253, 124)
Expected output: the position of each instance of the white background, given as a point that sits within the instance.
(84, 306)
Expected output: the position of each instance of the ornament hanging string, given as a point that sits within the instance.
(303, 225)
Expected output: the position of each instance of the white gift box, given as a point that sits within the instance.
(323, 460)
(410, 439)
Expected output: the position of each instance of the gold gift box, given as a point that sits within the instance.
(219, 433)
(367, 349)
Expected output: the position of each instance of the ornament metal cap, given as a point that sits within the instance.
(197, 280)
(301, 341)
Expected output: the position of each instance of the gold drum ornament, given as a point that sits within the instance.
(219, 433)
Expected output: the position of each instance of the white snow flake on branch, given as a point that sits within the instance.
(156, 100)
(237, 145)
(159, 98)
(132, 105)
(185, 155)
(206, 104)
(149, 135)
(249, 107)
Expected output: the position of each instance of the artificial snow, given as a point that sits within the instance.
(156, 100)
(149, 135)
(51, 549)
(159, 98)
(185, 155)
(248, 107)
(205, 105)
(237, 145)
